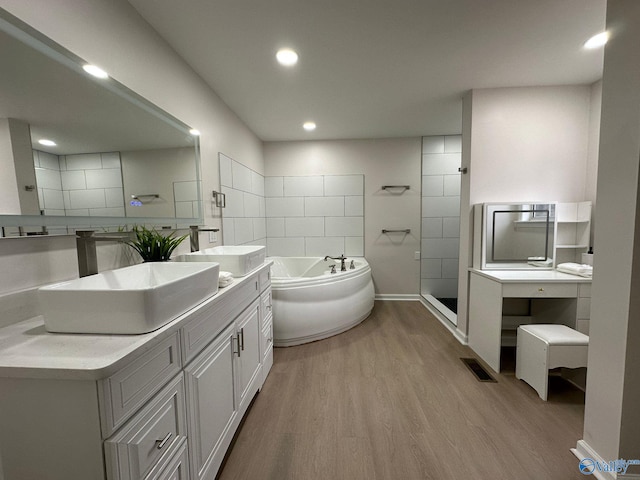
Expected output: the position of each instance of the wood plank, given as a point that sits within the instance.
(390, 399)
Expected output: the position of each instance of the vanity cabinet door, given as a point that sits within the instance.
(211, 405)
(249, 361)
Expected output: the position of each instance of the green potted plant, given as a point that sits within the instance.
(152, 245)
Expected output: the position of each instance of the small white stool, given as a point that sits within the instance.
(543, 347)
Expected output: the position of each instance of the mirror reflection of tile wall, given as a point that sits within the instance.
(315, 215)
(86, 185)
(243, 218)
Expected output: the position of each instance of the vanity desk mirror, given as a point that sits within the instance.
(514, 281)
(80, 152)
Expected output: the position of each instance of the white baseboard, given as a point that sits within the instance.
(461, 337)
(584, 451)
(398, 297)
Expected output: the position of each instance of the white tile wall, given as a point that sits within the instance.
(104, 178)
(303, 186)
(244, 219)
(323, 206)
(315, 215)
(441, 157)
(73, 180)
(304, 227)
(89, 161)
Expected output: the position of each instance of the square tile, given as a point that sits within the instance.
(257, 184)
(440, 248)
(52, 199)
(251, 205)
(48, 161)
(87, 199)
(449, 268)
(259, 228)
(228, 233)
(234, 202)
(49, 179)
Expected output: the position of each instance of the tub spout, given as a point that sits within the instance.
(342, 258)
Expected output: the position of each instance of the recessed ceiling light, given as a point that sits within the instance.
(287, 57)
(48, 143)
(194, 132)
(309, 126)
(597, 41)
(95, 71)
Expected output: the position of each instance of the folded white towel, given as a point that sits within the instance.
(541, 263)
(224, 279)
(576, 269)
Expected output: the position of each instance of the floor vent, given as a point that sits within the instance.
(478, 370)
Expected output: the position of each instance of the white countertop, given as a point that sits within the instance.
(27, 350)
(527, 276)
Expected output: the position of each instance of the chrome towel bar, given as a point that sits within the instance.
(393, 187)
(404, 230)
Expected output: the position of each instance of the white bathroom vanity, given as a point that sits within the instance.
(161, 405)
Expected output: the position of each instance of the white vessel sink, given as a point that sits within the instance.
(238, 260)
(130, 300)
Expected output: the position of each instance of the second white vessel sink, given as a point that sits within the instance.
(130, 300)
(236, 259)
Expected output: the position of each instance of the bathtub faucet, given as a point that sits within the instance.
(342, 259)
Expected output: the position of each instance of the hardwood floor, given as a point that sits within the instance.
(390, 399)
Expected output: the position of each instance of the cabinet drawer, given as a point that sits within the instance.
(266, 303)
(152, 435)
(176, 468)
(540, 290)
(265, 278)
(210, 320)
(128, 389)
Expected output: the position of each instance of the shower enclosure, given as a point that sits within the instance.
(441, 159)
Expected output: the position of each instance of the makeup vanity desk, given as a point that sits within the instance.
(500, 300)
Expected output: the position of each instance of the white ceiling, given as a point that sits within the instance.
(375, 68)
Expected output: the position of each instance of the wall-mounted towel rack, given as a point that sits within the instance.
(395, 187)
(145, 197)
(403, 230)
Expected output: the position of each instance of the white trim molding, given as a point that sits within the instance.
(398, 297)
(459, 335)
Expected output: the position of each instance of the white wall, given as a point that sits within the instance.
(383, 162)
(612, 418)
(110, 33)
(521, 144)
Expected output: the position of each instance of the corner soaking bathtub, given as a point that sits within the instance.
(310, 303)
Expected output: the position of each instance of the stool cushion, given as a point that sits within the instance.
(556, 334)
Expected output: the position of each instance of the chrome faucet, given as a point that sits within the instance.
(342, 259)
(194, 240)
(87, 255)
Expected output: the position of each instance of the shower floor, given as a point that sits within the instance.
(450, 303)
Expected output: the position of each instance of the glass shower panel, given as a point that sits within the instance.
(441, 158)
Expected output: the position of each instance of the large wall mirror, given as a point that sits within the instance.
(117, 159)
